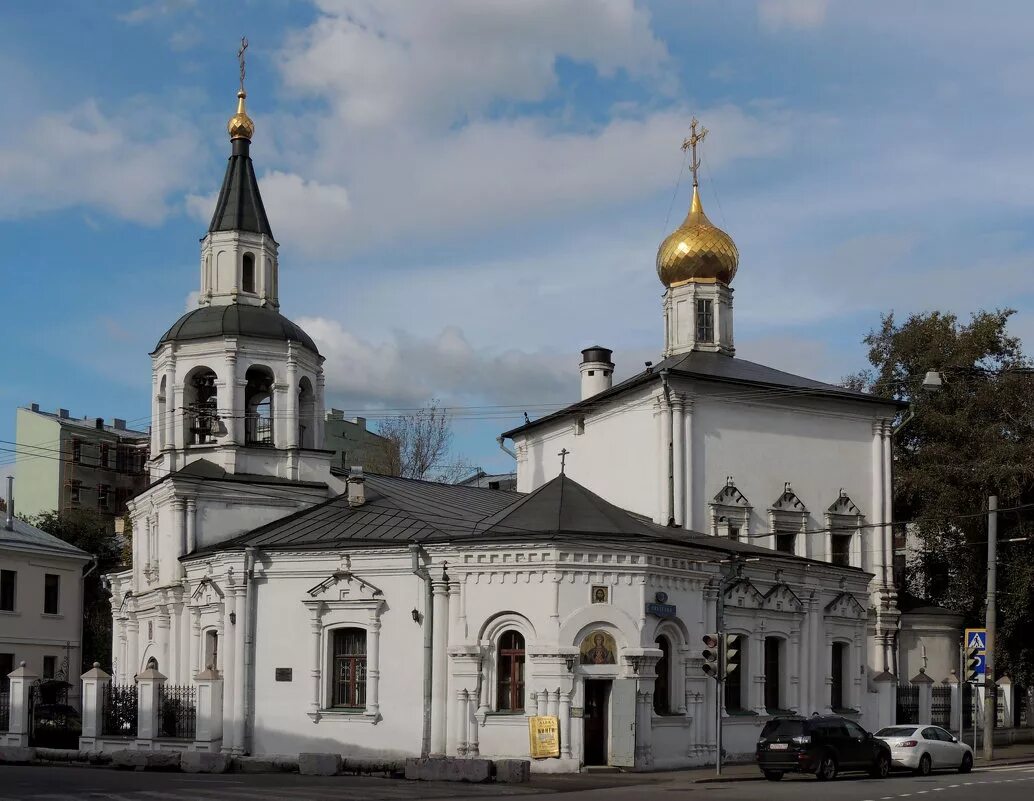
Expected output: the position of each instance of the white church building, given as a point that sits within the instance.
(385, 617)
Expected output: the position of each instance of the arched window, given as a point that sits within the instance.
(306, 414)
(160, 413)
(662, 685)
(258, 407)
(348, 669)
(510, 672)
(248, 273)
(774, 700)
(211, 650)
(201, 407)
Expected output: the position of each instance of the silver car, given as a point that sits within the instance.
(925, 748)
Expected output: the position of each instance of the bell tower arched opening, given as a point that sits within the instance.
(258, 407)
(201, 406)
(306, 414)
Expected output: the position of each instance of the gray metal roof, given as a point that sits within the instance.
(26, 537)
(239, 206)
(90, 423)
(715, 367)
(238, 320)
(205, 470)
(399, 511)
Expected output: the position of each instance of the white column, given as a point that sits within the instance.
(291, 401)
(196, 656)
(687, 458)
(462, 716)
(191, 525)
(229, 658)
(20, 686)
(94, 682)
(173, 408)
(473, 749)
(439, 659)
(179, 514)
(373, 667)
(663, 453)
(318, 411)
(162, 625)
(132, 663)
(660, 411)
(888, 508)
(239, 629)
(679, 460)
(208, 735)
(565, 725)
(148, 687)
(156, 424)
(316, 630)
(877, 517)
(231, 407)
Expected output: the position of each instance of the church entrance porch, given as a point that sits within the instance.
(595, 720)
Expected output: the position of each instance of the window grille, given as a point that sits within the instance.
(177, 711)
(510, 668)
(349, 669)
(908, 703)
(119, 710)
(940, 708)
(705, 320)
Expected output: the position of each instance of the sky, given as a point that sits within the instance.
(466, 193)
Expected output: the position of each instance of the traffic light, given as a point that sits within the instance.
(710, 655)
(730, 650)
(974, 664)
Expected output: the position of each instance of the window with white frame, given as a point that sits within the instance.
(844, 521)
(510, 661)
(775, 648)
(788, 522)
(838, 664)
(211, 650)
(662, 684)
(730, 513)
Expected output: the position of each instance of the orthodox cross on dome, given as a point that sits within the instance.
(240, 58)
(695, 138)
(563, 459)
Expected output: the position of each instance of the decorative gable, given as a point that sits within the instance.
(789, 502)
(744, 595)
(843, 506)
(343, 585)
(730, 496)
(782, 599)
(207, 592)
(846, 606)
(730, 512)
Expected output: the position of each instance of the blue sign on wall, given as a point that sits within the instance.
(661, 610)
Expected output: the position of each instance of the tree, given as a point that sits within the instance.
(92, 533)
(971, 439)
(422, 442)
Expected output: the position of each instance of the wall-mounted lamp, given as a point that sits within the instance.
(569, 661)
(636, 662)
(233, 618)
(416, 615)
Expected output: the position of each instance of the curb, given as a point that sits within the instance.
(977, 765)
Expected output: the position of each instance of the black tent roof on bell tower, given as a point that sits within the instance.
(239, 207)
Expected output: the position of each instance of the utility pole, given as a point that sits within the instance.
(990, 621)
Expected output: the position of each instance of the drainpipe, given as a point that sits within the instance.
(671, 448)
(504, 449)
(418, 570)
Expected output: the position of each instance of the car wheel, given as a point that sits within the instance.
(881, 770)
(773, 775)
(967, 763)
(827, 769)
(925, 766)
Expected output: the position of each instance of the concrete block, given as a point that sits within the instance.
(146, 760)
(365, 766)
(443, 769)
(512, 771)
(319, 764)
(270, 763)
(16, 755)
(204, 762)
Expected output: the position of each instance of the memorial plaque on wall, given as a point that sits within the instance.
(284, 674)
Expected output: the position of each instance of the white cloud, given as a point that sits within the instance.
(82, 156)
(406, 371)
(381, 62)
(799, 14)
(144, 12)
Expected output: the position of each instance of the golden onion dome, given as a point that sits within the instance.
(697, 250)
(241, 126)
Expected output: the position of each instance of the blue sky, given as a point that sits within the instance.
(466, 193)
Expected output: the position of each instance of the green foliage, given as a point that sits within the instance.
(92, 533)
(971, 439)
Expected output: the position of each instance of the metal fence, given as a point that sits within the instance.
(177, 716)
(940, 706)
(967, 705)
(118, 710)
(5, 711)
(908, 704)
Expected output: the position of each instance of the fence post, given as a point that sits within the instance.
(95, 684)
(1005, 692)
(21, 679)
(955, 717)
(149, 688)
(886, 702)
(925, 684)
(208, 735)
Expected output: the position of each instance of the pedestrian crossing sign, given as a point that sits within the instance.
(976, 639)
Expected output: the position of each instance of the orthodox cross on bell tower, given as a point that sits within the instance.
(695, 138)
(563, 459)
(240, 58)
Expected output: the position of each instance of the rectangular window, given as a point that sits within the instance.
(77, 450)
(104, 454)
(349, 668)
(75, 492)
(510, 668)
(841, 549)
(8, 583)
(773, 673)
(837, 662)
(51, 591)
(6, 666)
(211, 650)
(705, 320)
(734, 533)
(785, 541)
(103, 497)
(49, 666)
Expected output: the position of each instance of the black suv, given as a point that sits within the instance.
(823, 745)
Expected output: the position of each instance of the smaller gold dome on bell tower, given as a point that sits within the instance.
(697, 250)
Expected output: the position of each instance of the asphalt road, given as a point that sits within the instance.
(1007, 783)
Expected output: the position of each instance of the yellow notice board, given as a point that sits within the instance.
(544, 733)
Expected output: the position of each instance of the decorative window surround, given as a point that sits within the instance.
(789, 514)
(356, 605)
(730, 509)
(843, 514)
